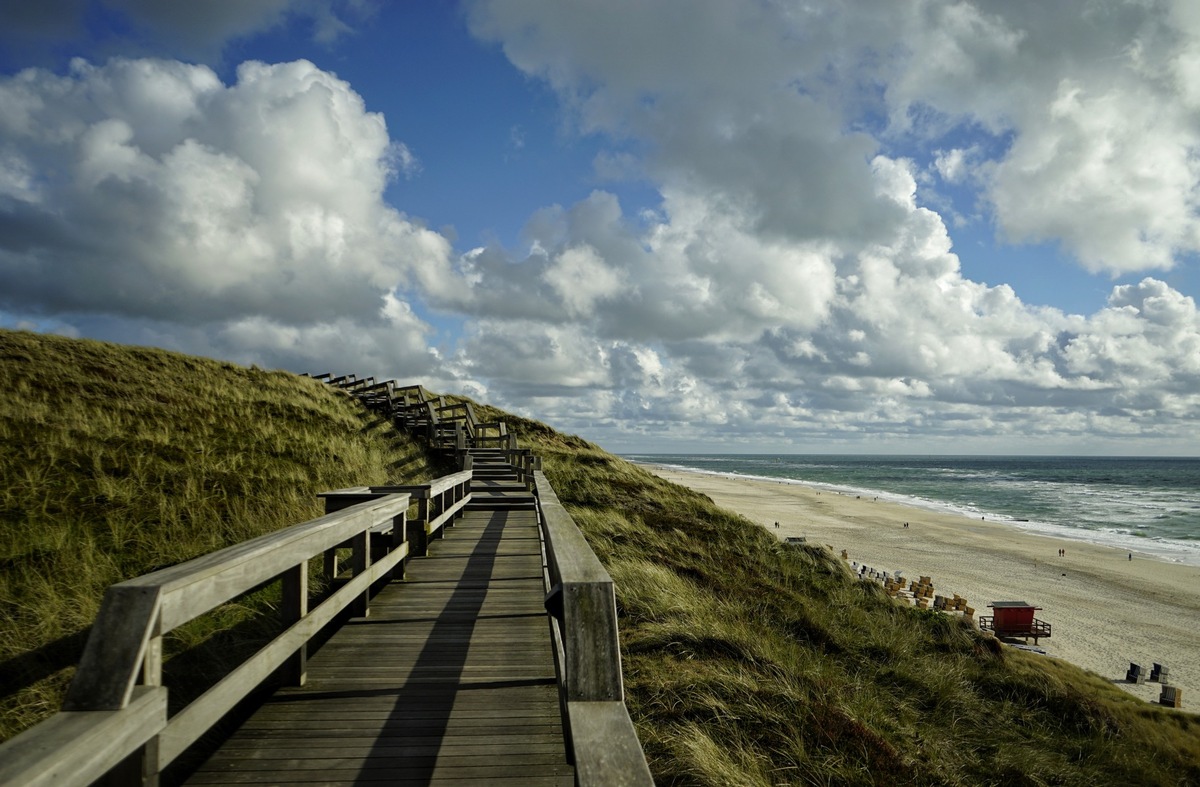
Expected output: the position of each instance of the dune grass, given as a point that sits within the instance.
(752, 662)
(115, 461)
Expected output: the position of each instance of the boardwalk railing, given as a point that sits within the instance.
(115, 713)
(583, 609)
(438, 502)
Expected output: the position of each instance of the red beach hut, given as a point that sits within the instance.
(1014, 619)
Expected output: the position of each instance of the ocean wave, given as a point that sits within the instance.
(1068, 500)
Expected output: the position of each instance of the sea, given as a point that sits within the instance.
(1148, 506)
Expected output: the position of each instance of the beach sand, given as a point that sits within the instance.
(1106, 610)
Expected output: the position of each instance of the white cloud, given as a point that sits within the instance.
(581, 279)
(162, 194)
(1099, 101)
(954, 165)
(791, 285)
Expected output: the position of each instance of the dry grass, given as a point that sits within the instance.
(115, 461)
(752, 662)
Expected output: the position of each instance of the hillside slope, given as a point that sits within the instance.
(118, 460)
(751, 662)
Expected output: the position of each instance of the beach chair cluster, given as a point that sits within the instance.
(1171, 696)
(869, 574)
(918, 592)
(955, 604)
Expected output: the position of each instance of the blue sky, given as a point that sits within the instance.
(926, 227)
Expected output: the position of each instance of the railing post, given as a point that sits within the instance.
(399, 539)
(152, 664)
(360, 562)
(418, 541)
(330, 567)
(142, 767)
(293, 608)
(438, 508)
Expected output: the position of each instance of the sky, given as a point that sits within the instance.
(664, 225)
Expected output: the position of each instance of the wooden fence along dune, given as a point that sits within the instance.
(476, 638)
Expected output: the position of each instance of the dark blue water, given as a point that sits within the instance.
(1148, 504)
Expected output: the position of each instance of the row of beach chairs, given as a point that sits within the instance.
(919, 591)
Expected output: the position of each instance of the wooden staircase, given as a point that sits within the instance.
(449, 426)
(496, 484)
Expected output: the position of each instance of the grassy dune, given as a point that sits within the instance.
(750, 662)
(115, 461)
(747, 662)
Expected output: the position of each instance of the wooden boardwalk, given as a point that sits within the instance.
(449, 680)
(458, 674)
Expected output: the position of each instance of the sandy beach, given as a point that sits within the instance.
(1106, 610)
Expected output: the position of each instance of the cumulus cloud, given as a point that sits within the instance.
(149, 190)
(1098, 102)
(791, 284)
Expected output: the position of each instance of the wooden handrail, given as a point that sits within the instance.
(438, 502)
(116, 696)
(70, 749)
(601, 738)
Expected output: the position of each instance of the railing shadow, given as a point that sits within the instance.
(33, 666)
(445, 650)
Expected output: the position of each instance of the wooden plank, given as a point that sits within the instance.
(76, 748)
(469, 748)
(282, 774)
(424, 727)
(383, 711)
(389, 776)
(403, 758)
(425, 706)
(606, 746)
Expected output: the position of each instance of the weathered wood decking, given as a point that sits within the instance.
(450, 679)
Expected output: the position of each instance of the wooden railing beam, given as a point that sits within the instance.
(73, 749)
(602, 742)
